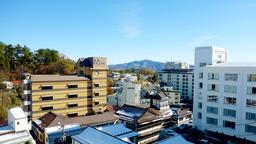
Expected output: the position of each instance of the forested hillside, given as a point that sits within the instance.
(15, 59)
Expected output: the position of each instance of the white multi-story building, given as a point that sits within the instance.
(180, 77)
(130, 94)
(224, 99)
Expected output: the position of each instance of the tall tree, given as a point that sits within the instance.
(9, 58)
(2, 57)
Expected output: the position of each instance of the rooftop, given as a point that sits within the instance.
(234, 64)
(46, 78)
(93, 136)
(174, 140)
(52, 120)
(139, 113)
(17, 113)
(18, 137)
(117, 130)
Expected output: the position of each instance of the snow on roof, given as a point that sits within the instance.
(18, 137)
(234, 64)
(17, 113)
(174, 140)
(93, 136)
(115, 129)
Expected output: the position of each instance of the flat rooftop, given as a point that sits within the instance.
(47, 78)
(234, 64)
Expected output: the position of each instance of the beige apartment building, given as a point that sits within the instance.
(68, 95)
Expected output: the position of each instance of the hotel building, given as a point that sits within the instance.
(180, 77)
(68, 95)
(224, 99)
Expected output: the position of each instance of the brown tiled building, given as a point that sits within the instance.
(68, 95)
(146, 121)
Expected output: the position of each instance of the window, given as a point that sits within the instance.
(46, 108)
(251, 90)
(250, 116)
(200, 85)
(229, 124)
(229, 100)
(250, 129)
(97, 73)
(251, 103)
(96, 85)
(81, 73)
(231, 77)
(72, 115)
(229, 112)
(70, 105)
(199, 115)
(46, 87)
(45, 98)
(200, 105)
(252, 78)
(212, 87)
(72, 96)
(201, 75)
(72, 86)
(96, 103)
(230, 89)
(213, 76)
(18, 123)
(212, 110)
(96, 94)
(212, 98)
(212, 121)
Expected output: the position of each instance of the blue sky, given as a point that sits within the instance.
(127, 30)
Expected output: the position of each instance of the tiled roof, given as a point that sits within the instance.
(159, 95)
(51, 119)
(142, 114)
(46, 78)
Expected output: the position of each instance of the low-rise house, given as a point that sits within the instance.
(181, 116)
(52, 127)
(17, 130)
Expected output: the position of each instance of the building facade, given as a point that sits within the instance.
(180, 77)
(130, 94)
(173, 95)
(224, 99)
(68, 95)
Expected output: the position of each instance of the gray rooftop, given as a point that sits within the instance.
(47, 78)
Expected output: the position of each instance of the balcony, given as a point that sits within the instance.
(26, 103)
(26, 92)
(26, 81)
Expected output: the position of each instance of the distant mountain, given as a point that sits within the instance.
(148, 64)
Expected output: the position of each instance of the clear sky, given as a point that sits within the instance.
(127, 30)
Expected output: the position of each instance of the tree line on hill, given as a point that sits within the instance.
(15, 59)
